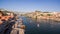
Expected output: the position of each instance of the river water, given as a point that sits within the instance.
(34, 26)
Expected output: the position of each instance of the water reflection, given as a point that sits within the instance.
(38, 25)
(41, 26)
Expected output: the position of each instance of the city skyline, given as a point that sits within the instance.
(30, 5)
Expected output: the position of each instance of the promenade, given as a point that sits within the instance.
(9, 24)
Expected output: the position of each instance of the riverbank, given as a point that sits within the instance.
(45, 18)
(44, 15)
(9, 23)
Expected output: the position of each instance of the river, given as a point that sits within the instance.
(41, 26)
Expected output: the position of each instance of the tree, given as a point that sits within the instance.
(42, 15)
(49, 14)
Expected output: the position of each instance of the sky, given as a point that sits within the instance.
(31, 5)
